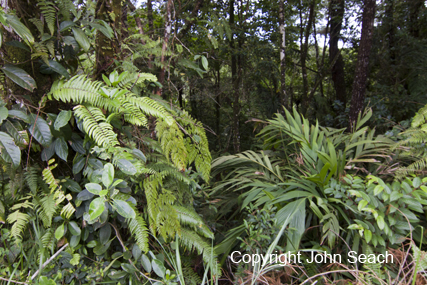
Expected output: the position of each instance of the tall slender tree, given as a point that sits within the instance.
(336, 11)
(362, 66)
(285, 96)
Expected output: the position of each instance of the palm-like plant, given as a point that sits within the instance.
(292, 172)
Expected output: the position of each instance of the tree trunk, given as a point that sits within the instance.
(362, 66)
(415, 8)
(305, 102)
(107, 49)
(284, 95)
(335, 58)
(168, 30)
(235, 84)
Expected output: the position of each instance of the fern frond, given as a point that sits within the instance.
(138, 229)
(48, 11)
(48, 239)
(150, 107)
(47, 209)
(68, 210)
(79, 90)
(19, 221)
(66, 8)
(193, 241)
(192, 219)
(136, 78)
(39, 25)
(95, 126)
(31, 177)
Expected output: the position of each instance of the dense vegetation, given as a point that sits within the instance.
(148, 143)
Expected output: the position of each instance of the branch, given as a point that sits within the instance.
(48, 261)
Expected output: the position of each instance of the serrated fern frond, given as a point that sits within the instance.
(19, 221)
(31, 178)
(190, 218)
(193, 241)
(48, 11)
(94, 124)
(138, 229)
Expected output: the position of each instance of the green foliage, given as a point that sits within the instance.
(414, 144)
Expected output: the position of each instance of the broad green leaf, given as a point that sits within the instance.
(105, 233)
(145, 261)
(416, 182)
(101, 248)
(139, 154)
(9, 151)
(368, 235)
(78, 163)
(380, 222)
(3, 114)
(108, 175)
(362, 205)
(75, 260)
(127, 267)
(102, 29)
(158, 268)
(126, 166)
(117, 274)
(40, 130)
(205, 63)
(93, 188)
(81, 38)
(74, 241)
(65, 25)
(96, 208)
(18, 114)
(123, 208)
(60, 231)
(71, 41)
(20, 28)
(74, 228)
(84, 195)
(58, 68)
(61, 148)
(136, 251)
(62, 119)
(19, 76)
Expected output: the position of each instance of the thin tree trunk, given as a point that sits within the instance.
(150, 26)
(362, 66)
(335, 58)
(108, 49)
(284, 95)
(305, 102)
(168, 30)
(235, 84)
(218, 108)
